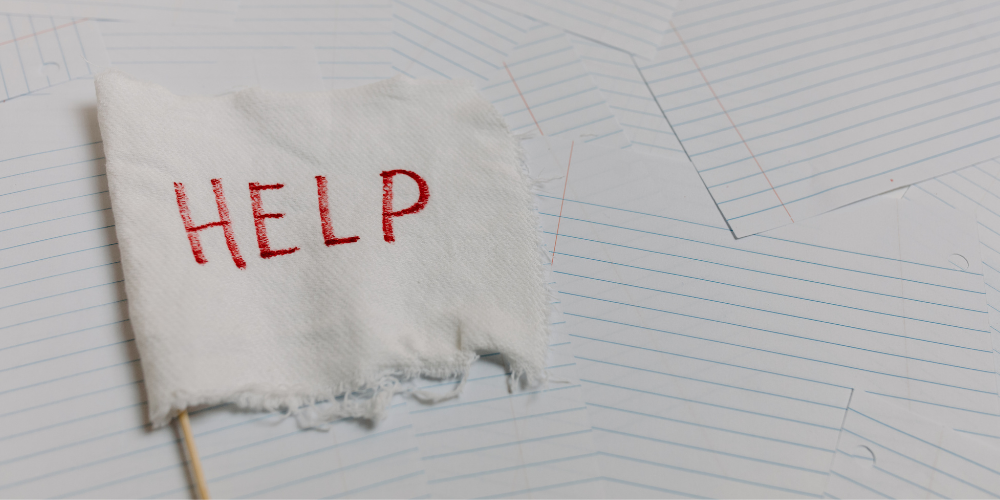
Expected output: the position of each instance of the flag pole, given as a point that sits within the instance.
(199, 475)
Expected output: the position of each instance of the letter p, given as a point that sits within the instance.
(387, 213)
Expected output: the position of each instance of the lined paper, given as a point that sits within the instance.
(498, 441)
(352, 39)
(529, 71)
(467, 39)
(196, 61)
(39, 52)
(635, 27)
(721, 367)
(792, 109)
(544, 89)
(885, 451)
(179, 12)
(349, 41)
(976, 191)
(683, 361)
(622, 85)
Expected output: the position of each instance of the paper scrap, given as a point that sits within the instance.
(887, 451)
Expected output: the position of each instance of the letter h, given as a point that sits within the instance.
(224, 221)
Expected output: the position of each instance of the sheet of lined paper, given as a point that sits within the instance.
(179, 12)
(629, 98)
(352, 39)
(721, 367)
(197, 61)
(793, 109)
(886, 451)
(635, 27)
(529, 71)
(497, 442)
(452, 40)
(39, 52)
(976, 191)
(683, 361)
(544, 89)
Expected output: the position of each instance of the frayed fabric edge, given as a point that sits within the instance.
(537, 187)
(367, 400)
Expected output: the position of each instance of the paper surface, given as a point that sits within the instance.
(885, 451)
(974, 190)
(792, 109)
(352, 39)
(453, 40)
(197, 61)
(37, 52)
(179, 12)
(635, 27)
(544, 89)
(492, 442)
(721, 367)
(529, 71)
(629, 98)
(75, 390)
(731, 393)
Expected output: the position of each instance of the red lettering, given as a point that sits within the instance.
(258, 220)
(387, 213)
(324, 216)
(192, 230)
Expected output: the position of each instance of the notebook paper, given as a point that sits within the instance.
(621, 84)
(635, 27)
(792, 109)
(544, 89)
(197, 61)
(529, 71)
(721, 367)
(976, 191)
(348, 41)
(433, 39)
(263, 457)
(179, 12)
(352, 39)
(497, 442)
(885, 451)
(38, 52)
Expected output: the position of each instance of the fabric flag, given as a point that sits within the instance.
(282, 250)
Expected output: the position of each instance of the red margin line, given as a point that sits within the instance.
(525, 101)
(562, 202)
(42, 32)
(703, 77)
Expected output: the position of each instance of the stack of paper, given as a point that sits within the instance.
(740, 310)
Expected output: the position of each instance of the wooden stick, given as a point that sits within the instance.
(199, 474)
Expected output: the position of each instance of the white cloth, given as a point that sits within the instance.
(268, 327)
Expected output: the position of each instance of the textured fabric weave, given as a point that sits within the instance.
(284, 249)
